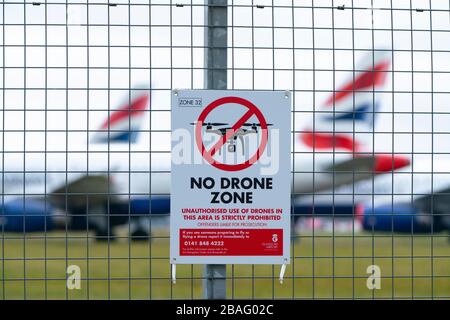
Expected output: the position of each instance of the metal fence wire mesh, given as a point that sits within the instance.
(85, 92)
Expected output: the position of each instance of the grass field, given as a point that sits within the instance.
(322, 267)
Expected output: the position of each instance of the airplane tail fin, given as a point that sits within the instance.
(124, 123)
(356, 94)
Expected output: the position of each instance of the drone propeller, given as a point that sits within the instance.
(209, 124)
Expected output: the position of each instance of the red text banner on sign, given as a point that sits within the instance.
(231, 242)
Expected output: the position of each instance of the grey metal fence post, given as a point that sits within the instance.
(216, 18)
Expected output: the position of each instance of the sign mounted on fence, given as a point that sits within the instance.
(230, 177)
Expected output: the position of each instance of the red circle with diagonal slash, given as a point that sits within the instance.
(208, 155)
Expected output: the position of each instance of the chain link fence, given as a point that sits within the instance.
(86, 144)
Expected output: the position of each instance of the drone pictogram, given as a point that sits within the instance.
(221, 129)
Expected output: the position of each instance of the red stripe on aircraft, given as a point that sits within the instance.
(136, 107)
(388, 163)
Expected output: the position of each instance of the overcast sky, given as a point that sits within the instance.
(172, 57)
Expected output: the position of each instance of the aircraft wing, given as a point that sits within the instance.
(437, 204)
(350, 171)
(86, 191)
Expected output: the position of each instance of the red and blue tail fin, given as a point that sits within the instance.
(124, 123)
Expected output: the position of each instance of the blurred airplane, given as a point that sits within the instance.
(409, 199)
